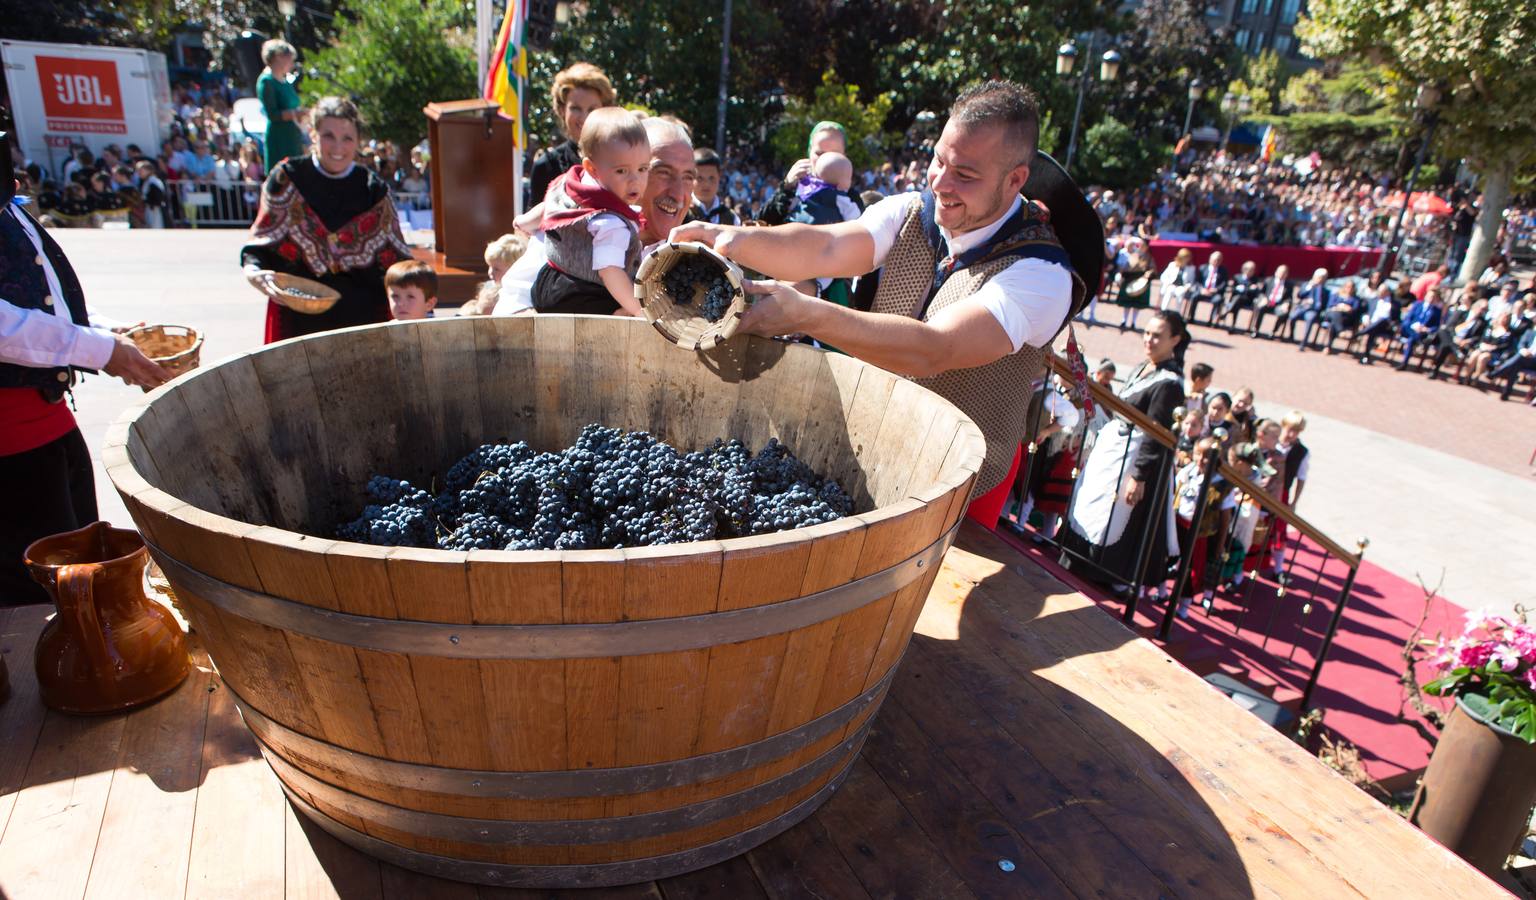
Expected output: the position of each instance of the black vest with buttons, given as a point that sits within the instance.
(24, 284)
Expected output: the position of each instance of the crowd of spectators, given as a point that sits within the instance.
(208, 152)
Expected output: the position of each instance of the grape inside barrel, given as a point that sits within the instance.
(542, 718)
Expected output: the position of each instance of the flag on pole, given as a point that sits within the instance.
(1267, 152)
(508, 74)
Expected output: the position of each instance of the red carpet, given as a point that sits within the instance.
(1256, 635)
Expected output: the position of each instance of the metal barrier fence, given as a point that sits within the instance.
(234, 204)
(1318, 577)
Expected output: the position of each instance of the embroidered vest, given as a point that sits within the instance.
(24, 284)
(569, 247)
(995, 395)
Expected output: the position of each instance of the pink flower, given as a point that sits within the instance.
(1530, 678)
(1474, 656)
(1524, 642)
(1506, 656)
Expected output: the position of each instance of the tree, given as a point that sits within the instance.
(1478, 54)
(1265, 76)
(1115, 156)
(665, 56)
(838, 102)
(1169, 45)
(393, 57)
(972, 40)
(1350, 116)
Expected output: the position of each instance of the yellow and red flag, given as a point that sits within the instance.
(1267, 153)
(507, 74)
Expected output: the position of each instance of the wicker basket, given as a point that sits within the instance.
(174, 347)
(302, 295)
(681, 322)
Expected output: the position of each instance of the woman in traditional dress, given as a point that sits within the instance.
(280, 101)
(1119, 527)
(326, 218)
(1134, 267)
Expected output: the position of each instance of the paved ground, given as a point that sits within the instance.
(1434, 474)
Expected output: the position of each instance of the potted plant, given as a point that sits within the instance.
(1477, 793)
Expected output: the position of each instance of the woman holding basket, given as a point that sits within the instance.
(327, 219)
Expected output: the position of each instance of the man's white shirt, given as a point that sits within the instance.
(1030, 298)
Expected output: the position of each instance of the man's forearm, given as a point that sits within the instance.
(896, 343)
(792, 252)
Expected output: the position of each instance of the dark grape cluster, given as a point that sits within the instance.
(610, 489)
(692, 270)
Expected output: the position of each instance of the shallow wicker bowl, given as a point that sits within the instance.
(175, 347)
(681, 322)
(302, 295)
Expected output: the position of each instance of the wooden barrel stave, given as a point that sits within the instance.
(885, 438)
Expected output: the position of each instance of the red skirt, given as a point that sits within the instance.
(1055, 490)
(1201, 549)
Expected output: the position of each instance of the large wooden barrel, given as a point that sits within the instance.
(548, 719)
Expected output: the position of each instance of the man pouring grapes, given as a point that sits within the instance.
(975, 284)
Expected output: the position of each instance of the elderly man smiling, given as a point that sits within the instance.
(664, 205)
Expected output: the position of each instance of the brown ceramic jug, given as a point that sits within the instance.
(110, 648)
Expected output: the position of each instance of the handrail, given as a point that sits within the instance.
(1165, 437)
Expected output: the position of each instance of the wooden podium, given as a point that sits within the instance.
(472, 191)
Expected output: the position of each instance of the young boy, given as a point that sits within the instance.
(1200, 375)
(412, 288)
(591, 227)
(1293, 476)
(707, 205)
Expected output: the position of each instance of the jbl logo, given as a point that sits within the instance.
(79, 88)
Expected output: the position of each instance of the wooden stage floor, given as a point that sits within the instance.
(1030, 747)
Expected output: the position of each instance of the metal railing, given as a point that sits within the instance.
(1297, 597)
(196, 204)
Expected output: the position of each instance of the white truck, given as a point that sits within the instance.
(70, 94)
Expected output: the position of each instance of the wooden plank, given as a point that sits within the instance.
(525, 709)
(237, 841)
(283, 454)
(204, 415)
(973, 836)
(561, 406)
(592, 591)
(319, 867)
(50, 838)
(835, 549)
(1124, 848)
(451, 389)
(729, 880)
(142, 850)
(888, 462)
(294, 566)
(21, 717)
(521, 588)
(601, 374)
(804, 862)
(771, 397)
(296, 435)
(645, 891)
(887, 851)
(504, 371)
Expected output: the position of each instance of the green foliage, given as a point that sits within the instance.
(973, 40)
(839, 103)
(1479, 51)
(1368, 141)
(665, 56)
(393, 57)
(1115, 156)
(1265, 78)
(1168, 46)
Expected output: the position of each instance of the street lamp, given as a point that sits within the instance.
(1236, 107)
(1424, 103)
(1196, 91)
(288, 9)
(1109, 70)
